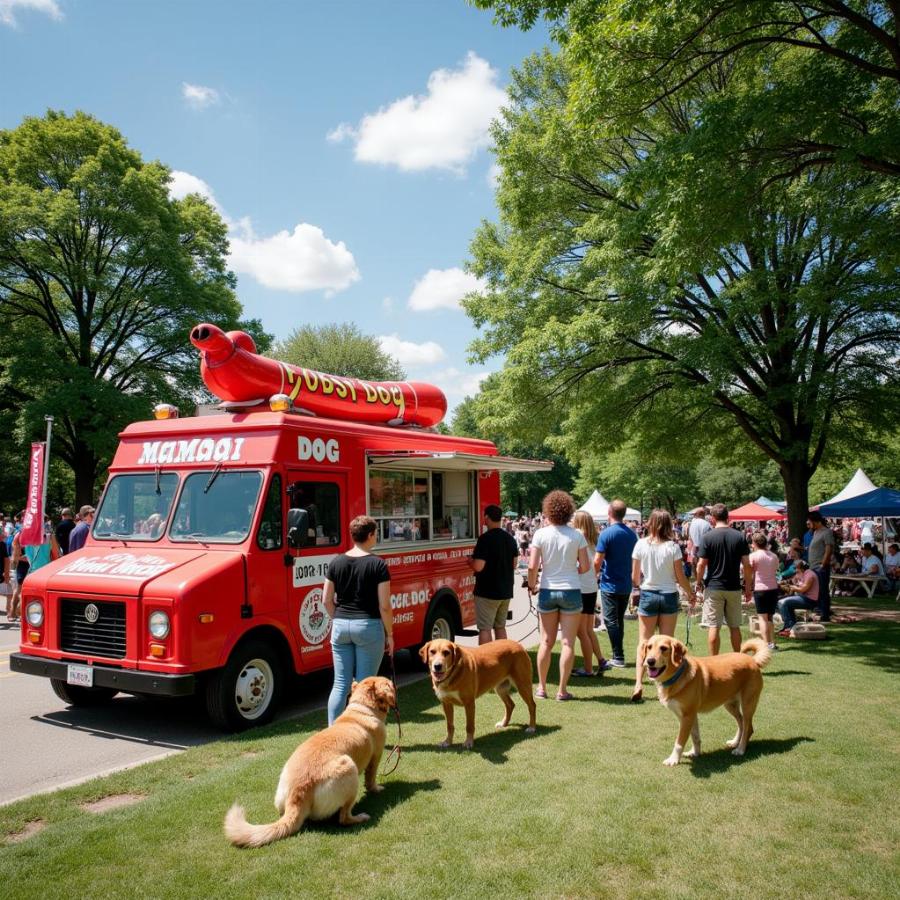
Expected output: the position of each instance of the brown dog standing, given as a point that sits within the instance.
(460, 674)
(322, 775)
(689, 685)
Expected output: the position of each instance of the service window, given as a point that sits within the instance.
(322, 502)
(268, 536)
(411, 506)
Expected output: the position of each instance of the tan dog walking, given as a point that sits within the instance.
(321, 777)
(460, 674)
(690, 685)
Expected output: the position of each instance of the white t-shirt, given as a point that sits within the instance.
(867, 531)
(559, 546)
(657, 564)
(891, 560)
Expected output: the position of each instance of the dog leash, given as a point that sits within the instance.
(395, 753)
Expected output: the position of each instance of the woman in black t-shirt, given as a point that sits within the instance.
(358, 599)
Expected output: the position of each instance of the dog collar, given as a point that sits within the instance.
(678, 673)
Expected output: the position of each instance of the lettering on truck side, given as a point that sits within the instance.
(224, 449)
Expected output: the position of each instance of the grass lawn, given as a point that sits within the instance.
(584, 808)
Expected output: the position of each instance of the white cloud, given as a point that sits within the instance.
(298, 261)
(493, 176)
(8, 9)
(458, 384)
(410, 354)
(342, 132)
(183, 183)
(387, 306)
(442, 129)
(443, 289)
(198, 96)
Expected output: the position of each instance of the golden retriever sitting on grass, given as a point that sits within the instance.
(322, 776)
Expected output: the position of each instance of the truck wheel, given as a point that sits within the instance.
(75, 695)
(440, 624)
(245, 692)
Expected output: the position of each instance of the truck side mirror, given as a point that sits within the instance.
(297, 528)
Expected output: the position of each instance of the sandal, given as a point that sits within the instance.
(541, 694)
(583, 673)
(562, 696)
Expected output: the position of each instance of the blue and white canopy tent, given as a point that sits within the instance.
(883, 502)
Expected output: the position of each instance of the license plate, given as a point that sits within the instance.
(80, 675)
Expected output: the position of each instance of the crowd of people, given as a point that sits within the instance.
(654, 567)
(66, 535)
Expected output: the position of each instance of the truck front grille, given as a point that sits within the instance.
(103, 637)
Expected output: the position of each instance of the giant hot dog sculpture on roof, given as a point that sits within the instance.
(234, 371)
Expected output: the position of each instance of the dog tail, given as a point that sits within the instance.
(242, 834)
(759, 650)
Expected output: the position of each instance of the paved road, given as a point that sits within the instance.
(48, 745)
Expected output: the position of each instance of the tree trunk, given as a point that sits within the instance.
(795, 476)
(85, 469)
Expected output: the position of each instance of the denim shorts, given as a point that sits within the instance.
(658, 603)
(561, 601)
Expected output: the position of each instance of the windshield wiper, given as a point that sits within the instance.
(194, 536)
(158, 476)
(212, 478)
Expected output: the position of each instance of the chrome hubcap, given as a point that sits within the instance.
(253, 689)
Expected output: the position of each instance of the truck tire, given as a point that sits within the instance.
(245, 692)
(76, 695)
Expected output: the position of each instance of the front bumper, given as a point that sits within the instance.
(127, 680)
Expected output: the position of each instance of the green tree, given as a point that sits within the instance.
(737, 483)
(339, 349)
(519, 491)
(643, 478)
(831, 91)
(768, 319)
(102, 276)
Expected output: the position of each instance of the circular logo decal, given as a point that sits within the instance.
(92, 612)
(314, 621)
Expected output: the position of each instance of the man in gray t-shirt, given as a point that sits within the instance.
(821, 549)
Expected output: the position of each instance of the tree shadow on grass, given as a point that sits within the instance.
(721, 760)
(491, 746)
(871, 643)
(396, 791)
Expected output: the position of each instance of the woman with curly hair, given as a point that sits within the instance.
(657, 569)
(561, 553)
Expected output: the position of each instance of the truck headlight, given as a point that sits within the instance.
(158, 624)
(34, 613)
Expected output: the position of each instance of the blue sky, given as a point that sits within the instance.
(345, 142)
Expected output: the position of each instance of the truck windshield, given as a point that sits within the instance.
(216, 506)
(135, 507)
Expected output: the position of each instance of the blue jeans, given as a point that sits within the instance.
(551, 600)
(357, 646)
(824, 576)
(787, 605)
(614, 606)
(658, 603)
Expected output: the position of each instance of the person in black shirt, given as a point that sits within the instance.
(723, 556)
(357, 596)
(64, 529)
(494, 564)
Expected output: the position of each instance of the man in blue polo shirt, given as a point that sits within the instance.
(613, 562)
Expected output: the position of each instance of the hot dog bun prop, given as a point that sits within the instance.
(235, 372)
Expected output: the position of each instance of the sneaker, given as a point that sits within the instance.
(785, 632)
(617, 663)
(773, 647)
(605, 666)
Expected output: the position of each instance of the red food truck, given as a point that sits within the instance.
(205, 564)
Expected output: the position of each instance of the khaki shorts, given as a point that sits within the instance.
(490, 613)
(719, 606)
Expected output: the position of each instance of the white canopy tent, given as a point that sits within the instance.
(598, 506)
(860, 483)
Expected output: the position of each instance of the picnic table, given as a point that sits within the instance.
(868, 582)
